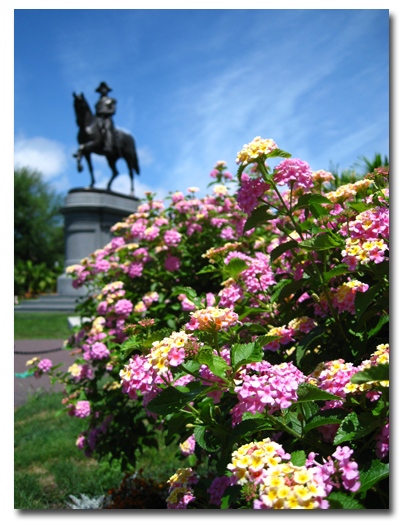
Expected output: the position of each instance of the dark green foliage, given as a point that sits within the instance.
(38, 225)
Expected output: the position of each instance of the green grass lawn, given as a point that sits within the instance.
(48, 467)
(40, 325)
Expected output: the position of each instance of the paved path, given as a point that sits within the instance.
(23, 387)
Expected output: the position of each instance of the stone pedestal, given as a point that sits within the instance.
(89, 215)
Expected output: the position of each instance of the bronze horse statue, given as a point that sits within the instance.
(91, 140)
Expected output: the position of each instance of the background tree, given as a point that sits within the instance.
(38, 224)
(359, 169)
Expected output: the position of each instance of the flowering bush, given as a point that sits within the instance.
(253, 330)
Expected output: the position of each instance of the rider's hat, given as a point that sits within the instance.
(103, 85)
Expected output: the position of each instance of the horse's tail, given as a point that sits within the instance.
(135, 163)
(129, 151)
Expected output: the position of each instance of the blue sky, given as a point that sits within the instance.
(194, 86)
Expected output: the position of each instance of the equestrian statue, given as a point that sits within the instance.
(97, 134)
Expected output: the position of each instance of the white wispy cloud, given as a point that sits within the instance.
(47, 156)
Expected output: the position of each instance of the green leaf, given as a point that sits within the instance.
(383, 320)
(242, 354)
(307, 392)
(173, 399)
(264, 340)
(171, 323)
(364, 299)
(159, 335)
(132, 343)
(236, 266)
(326, 417)
(207, 269)
(339, 500)
(355, 427)
(293, 421)
(191, 366)
(177, 424)
(282, 248)
(372, 473)
(240, 171)
(249, 415)
(231, 495)
(205, 439)
(341, 269)
(359, 207)
(318, 211)
(291, 288)
(311, 336)
(248, 427)
(311, 198)
(323, 241)
(375, 373)
(298, 458)
(215, 363)
(186, 290)
(279, 153)
(309, 409)
(259, 216)
(278, 287)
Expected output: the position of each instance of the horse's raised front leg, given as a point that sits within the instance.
(78, 156)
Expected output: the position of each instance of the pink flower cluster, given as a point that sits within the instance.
(82, 409)
(172, 263)
(96, 351)
(212, 319)
(332, 377)
(258, 277)
(342, 298)
(187, 448)
(383, 441)
(250, 191)
(341, 471)
(371, 224)
(123, 307)
(44, 365)
(293, 171)
(180, 491)
(217, 489)
(172, 237)
(348, 469)
(271, 388)
(136, 377)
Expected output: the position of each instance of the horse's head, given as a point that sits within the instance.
(82, 109)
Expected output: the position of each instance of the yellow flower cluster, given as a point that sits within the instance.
(180, 484)
(119, 226)
(73, 268)
(214, 254)
(379, 357)
(363, 251)
(281, 485)
(220, 189)
(257, 148)
(345, 192)
(159, 358)
(128, 247)
(98, 325)
(330, 369)
(212, 319)
(75, 370)
(111, 287)
(32, 361)
(321, 176)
